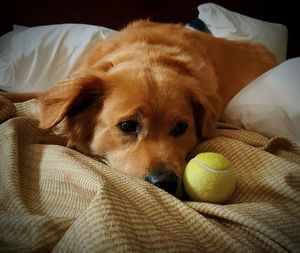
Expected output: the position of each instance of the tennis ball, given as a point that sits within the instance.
(209, 178)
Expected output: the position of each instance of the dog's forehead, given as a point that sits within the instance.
(155, 101)
(153, 86)
(147, 95)
(148, 79)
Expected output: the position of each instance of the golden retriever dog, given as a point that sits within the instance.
(144, 97)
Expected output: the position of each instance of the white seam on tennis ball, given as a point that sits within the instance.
(206, 167)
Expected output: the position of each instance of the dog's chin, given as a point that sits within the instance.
(179, 191)
(144, 175)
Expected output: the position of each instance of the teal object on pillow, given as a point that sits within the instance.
(235, 26)
(198, 25)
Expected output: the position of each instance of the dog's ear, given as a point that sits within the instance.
(69, 98)
(207, 108)
(236, 63)
(224, 68)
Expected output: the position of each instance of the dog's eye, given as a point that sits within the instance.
(129, 127)
(179, 129)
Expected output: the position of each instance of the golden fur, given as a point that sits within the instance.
(157, 75)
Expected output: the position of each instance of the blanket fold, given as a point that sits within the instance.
(53, 198)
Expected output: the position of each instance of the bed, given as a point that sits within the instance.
(55, 199)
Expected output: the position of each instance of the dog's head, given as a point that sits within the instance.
(143, 120)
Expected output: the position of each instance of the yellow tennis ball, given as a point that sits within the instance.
(208, 177)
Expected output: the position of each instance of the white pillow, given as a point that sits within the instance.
(231, 25)
(33, 59)
(271, 103)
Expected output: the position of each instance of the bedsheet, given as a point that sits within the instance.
(53, 198)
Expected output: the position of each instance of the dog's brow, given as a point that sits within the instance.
(134, 114)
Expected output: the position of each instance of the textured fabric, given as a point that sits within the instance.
(53, 198)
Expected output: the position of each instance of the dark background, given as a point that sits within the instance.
(116, 14)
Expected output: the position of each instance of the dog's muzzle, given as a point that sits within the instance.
(164, 179)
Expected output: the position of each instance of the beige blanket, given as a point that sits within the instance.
(53, 198)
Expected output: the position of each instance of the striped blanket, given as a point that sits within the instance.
(53, 198)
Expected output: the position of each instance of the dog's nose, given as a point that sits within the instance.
(164, 179)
